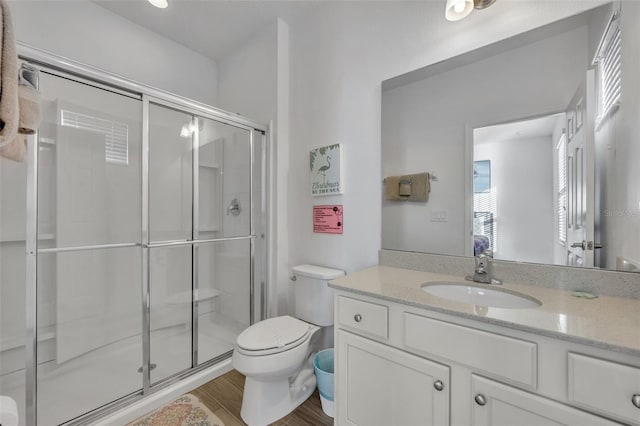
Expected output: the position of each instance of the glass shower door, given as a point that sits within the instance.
(89, 263)
(224, 258)
(170, 235)
(200, 244)
(139, 255)
(13, 180)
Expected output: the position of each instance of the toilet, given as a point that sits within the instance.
(276, 354)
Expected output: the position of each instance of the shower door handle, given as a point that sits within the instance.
(194, 242)
(234, 207)
(168, 244)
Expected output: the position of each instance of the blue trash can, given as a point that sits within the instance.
(323, 365)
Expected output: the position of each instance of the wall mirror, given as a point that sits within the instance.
(531, 143)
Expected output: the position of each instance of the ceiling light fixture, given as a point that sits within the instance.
(482, 4)
(456, 10)
(161, 4)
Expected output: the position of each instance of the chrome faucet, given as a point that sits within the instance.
(484, 269)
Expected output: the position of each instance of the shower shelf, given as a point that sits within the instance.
(209, 228)
(182, 297)
(16, 239)
(209, 165)
(46, 333)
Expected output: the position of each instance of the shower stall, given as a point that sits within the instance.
(132, 243)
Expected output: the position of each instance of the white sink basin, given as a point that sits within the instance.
(483, 296)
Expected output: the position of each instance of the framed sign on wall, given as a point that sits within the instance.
(328, 219)
(326, 170)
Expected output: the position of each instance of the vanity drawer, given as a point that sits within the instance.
(500, 356)
(604, 386)
(363, 317)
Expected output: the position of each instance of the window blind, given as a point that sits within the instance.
(562, 190)
(609, 67)
(116, 134)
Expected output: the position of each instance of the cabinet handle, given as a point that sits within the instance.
(438, 385)
(635, 400)
(357, 317)
(480, 399)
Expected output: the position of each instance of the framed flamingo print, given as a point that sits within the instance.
(326, 170)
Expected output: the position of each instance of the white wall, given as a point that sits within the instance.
(88, 33)
(253, 80)
(247, 76)
(522, 178)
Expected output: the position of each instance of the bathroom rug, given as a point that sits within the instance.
(184, 411)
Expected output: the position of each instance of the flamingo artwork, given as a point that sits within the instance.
(324, 164)
(324, 169)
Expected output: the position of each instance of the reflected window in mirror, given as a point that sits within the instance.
(562, 188)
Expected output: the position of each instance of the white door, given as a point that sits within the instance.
(380, 385)
(581, 174)
(495, 404)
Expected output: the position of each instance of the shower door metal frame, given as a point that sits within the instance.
(31, 294)
(82, 73)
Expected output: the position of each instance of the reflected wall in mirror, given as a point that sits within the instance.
(561, 146)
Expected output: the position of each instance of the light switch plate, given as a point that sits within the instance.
(438, 216)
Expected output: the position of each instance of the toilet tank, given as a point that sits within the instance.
(313, 296)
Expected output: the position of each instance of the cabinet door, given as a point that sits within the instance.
(380, 385)
(497, 404)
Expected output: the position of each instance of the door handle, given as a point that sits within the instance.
(582, 245)
(587, 245)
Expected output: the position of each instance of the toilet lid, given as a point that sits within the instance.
(273, 333)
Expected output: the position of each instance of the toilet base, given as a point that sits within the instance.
(265, 402)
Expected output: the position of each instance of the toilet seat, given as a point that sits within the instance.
(273, 335)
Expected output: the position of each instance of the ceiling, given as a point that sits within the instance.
(209, 27)
(537, 127)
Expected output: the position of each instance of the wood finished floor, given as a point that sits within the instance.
(223, 396)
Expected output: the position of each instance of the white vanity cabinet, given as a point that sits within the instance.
(381, 385)
(496, 404)
(404, 365)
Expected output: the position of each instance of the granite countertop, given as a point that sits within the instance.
(611, 323)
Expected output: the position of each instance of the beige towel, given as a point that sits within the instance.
(19, 98)
(9, 114)
(391, 188)
(15, 151)
(420, 187)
